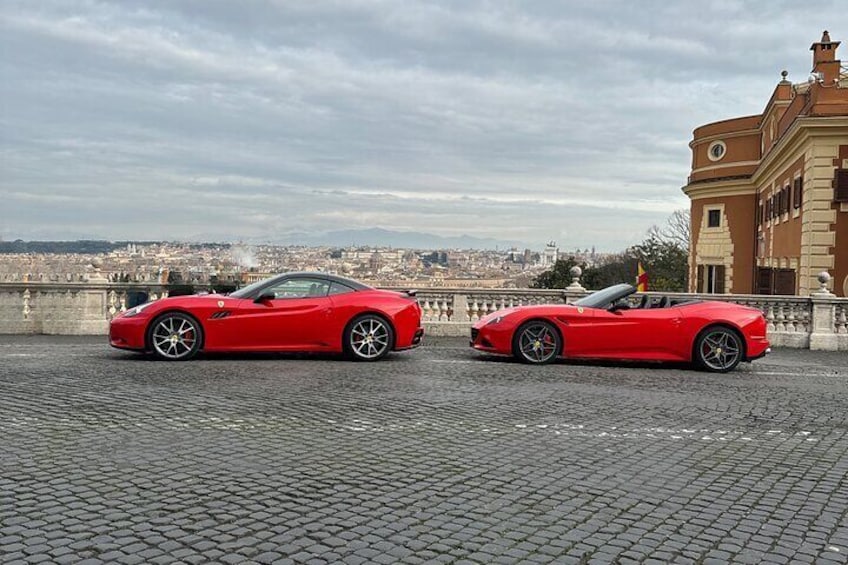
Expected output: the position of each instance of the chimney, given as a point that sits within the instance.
(824, 58)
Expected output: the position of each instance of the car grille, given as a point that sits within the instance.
(474, 333)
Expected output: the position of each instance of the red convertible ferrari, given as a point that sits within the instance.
(715, 336)
(310, 312)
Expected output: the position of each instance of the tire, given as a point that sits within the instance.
(175, 336)
(368, 338)
(718, 349)
(536, 342)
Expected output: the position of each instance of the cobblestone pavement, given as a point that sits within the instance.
(437, 455)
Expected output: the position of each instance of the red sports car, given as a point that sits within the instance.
(715, 336)
(310, 312)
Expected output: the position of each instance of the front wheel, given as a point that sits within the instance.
(175, 336)
(718, 350)
(536, 342)
(368, 338)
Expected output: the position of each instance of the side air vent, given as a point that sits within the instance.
(219, 315)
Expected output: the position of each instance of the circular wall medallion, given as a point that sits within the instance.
(716, 150)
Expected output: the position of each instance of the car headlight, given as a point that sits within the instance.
(497, 319)
(137, 310)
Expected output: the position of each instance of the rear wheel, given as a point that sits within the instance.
(536, 342)
(718, 349)
(368, 338)
(175, 336)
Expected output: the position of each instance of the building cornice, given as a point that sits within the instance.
(720, 188)
(785, 152)
(722, 136)
(725, 166)
(787, 148)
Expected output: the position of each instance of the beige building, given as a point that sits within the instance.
(769, 192)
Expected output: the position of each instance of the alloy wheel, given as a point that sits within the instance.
(369, 338)
(720, 350)
(174, 337)
(538, 342)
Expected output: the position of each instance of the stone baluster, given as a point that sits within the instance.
(112, 303)
(790, 318)
(444, 314)
(123, 302)
(434, 309)
(425, 310)
(481, 306)
(769, 312)
(437, 310)
(26, 304)
(842, 320)
(780, 319)
(475, 310)
(484, 306)
(806, 314)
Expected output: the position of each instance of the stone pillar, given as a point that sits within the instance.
(460, 307)
(823, 335)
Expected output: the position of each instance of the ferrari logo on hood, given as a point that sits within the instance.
(220, 304)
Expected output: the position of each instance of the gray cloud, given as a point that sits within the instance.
(555, 120)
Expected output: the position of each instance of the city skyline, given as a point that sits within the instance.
(217, 121)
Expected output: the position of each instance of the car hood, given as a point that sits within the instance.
(189, 300)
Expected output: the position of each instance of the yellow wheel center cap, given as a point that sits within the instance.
(718, 350)
(175, 338)
(537, 344)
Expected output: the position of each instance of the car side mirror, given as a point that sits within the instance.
(265, 297)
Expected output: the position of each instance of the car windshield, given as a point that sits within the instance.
(606, 296)
(246, 291)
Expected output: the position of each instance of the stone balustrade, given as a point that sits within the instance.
(83, 308)
(816, 322)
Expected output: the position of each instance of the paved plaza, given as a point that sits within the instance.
(438, 455)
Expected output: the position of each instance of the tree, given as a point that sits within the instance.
(664, 254)
(613, 270)
(558, 277)
(666, 263)
(677, 230)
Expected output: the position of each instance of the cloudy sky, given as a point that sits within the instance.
(526, 121)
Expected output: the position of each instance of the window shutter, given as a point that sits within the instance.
(784, 281)
(719, 283)
(764, 280)
(840, 185)
(700, 285)
(798, 191)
